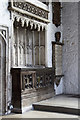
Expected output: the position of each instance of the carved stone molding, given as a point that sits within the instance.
(3, 68)
(27, 21)
(29, 10)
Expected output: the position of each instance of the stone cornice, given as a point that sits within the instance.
(30, 10)
(28, 21)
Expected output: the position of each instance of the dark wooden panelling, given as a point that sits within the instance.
(31, 85)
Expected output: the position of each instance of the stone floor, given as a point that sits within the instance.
(39, 114)
(62, 100)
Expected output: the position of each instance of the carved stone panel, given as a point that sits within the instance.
(29, 47)
(42, 54)
(42, 38)
(36, 38)
(42, 47)
(36, 47)
(37, 55)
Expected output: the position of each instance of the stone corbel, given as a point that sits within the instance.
(17, 18)
(46, 28)
(35, 25)
(31, 24)
(43, 27)
(27, 22)
(22, 21)
(39, 27)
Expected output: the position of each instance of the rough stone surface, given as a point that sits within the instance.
(79, 48)
(70, 48)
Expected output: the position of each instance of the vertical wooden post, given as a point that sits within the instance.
(34, 79)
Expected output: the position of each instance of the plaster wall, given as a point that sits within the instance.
(70, 48)
(51, 30)
(79, 47)
(5, 22)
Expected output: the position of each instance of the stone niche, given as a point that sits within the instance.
(57, 13)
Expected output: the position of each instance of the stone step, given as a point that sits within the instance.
(57, 109)
(60, 104)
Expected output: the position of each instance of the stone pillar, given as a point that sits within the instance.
(0, 81)
(2, 75)
(13, 46)
(39, 49)
(46, 49)
(18, 46)
(12, 42)
(25, 47)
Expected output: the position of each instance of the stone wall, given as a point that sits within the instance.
(79, 47)
(70, 48)
(5, 23)
(51, 30)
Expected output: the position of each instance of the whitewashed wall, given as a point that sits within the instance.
(6, 22)
(51, 30)
(70, 48)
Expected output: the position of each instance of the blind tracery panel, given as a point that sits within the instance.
(29, 47)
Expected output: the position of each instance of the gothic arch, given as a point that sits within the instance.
(3, 69)
(2, 75)
(3, 37)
